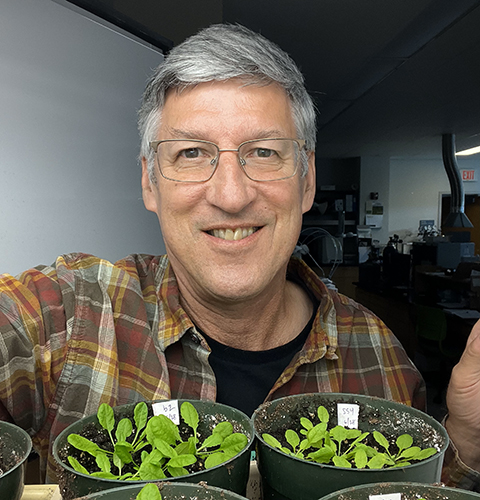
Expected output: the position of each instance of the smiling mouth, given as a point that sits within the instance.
(233, 234)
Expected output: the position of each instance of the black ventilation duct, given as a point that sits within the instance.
(456, 217)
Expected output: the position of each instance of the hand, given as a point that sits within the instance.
(463, 401)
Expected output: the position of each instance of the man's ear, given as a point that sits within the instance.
(309, 185)
(148, 194)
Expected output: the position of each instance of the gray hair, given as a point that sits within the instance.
(219, 53)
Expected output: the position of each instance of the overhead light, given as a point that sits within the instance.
(467, 152)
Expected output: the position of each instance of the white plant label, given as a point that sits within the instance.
(386, 496)
(169, 409)
(347, 415)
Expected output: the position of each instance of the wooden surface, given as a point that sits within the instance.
(41, 492)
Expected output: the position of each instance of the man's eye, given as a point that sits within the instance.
(190, 153)
(264, 153)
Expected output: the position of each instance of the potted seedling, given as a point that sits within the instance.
(310, 445)
(165, 491)
(15, 447)
(402, 491)
(194, 441)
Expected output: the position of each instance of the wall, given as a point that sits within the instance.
(414, 190)
(69, 177)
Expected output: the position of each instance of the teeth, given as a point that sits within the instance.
(233, 235)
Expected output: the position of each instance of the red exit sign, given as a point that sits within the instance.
(468, 175)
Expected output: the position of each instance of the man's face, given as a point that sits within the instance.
(207, 265)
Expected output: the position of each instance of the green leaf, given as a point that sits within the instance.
(224, 429)
(124, 429)
(215, 459)
(105, 475)
(402, 463)
(164, 448)
(410, 452)
(304, 444)
(381, 439)
(140, 415)
(316, 434)
(292, 438)
(182, 461)
(322, 414)
(118, 462)
(404, 441)
(189, 415)
(103, 462)
(341, 462)
(212, 441)
(155, 457)
(123, 450)
(77, 466)
(149, 492)
(426, 453)
(270, 440)
(361, 458)
(83, 444)
(322, 456)
(306, 423)
(106, 417)
(177, 471)
(183, 448)
(338, 433)
(129, 476)
(161, 427)
(354, 433)
(150, 472)
(234, 443)
(377, 462)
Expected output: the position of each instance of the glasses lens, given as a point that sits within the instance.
(186, 161)
(270, 159)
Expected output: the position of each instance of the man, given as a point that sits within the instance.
(228, 135)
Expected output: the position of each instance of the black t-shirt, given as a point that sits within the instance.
(244, 378)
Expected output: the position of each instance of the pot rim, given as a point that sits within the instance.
(165, 483)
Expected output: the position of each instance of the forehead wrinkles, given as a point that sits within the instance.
(224, 111)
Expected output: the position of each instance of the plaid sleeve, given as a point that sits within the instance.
(31, 357)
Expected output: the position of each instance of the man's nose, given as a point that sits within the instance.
(229, 188)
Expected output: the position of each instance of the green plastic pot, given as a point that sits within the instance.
(286, 477)
(408, 491)
(15, 447)
(231, 475)
(169, 491)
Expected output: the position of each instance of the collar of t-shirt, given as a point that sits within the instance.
(244, 378)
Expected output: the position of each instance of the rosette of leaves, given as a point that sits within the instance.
(344, 447)
(154, 449)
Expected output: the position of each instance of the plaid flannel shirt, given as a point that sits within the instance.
(85, 332)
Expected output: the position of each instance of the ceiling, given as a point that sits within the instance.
(389, 77)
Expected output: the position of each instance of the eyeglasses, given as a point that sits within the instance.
(262, 160)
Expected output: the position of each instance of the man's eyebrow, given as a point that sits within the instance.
(253, 134)
(183, 134)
